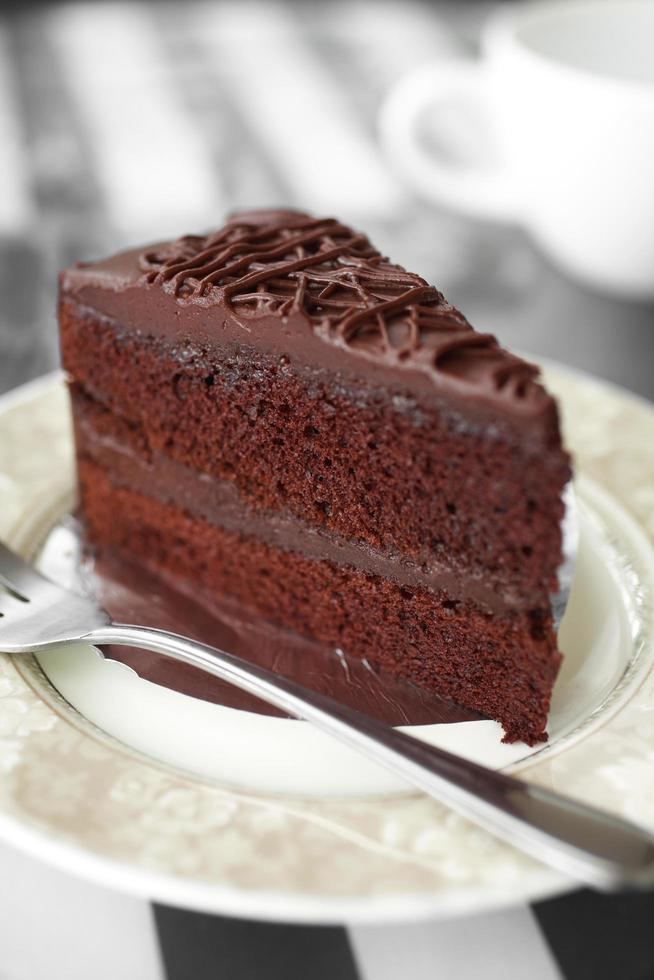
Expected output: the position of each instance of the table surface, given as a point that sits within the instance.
(123, 123)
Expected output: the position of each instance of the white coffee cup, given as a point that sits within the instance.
(565, 92)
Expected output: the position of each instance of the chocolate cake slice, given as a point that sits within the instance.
(276, 413)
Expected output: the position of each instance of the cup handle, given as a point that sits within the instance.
(481, 191)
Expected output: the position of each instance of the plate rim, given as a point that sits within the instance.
(267, 905)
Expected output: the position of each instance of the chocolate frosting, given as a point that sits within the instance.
(326, 287)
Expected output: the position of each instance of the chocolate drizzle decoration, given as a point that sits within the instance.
(285, 264)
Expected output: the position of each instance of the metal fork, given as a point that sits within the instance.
(581, 841)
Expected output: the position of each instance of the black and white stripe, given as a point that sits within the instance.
(58, 927)
(122, 122)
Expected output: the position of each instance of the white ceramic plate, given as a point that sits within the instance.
(298, 827)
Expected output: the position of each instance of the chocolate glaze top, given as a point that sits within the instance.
(318, 281)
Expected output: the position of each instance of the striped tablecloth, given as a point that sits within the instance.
(126, 122)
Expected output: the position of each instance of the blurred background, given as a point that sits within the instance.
(122, 123)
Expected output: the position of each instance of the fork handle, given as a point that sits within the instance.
(581, 841)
